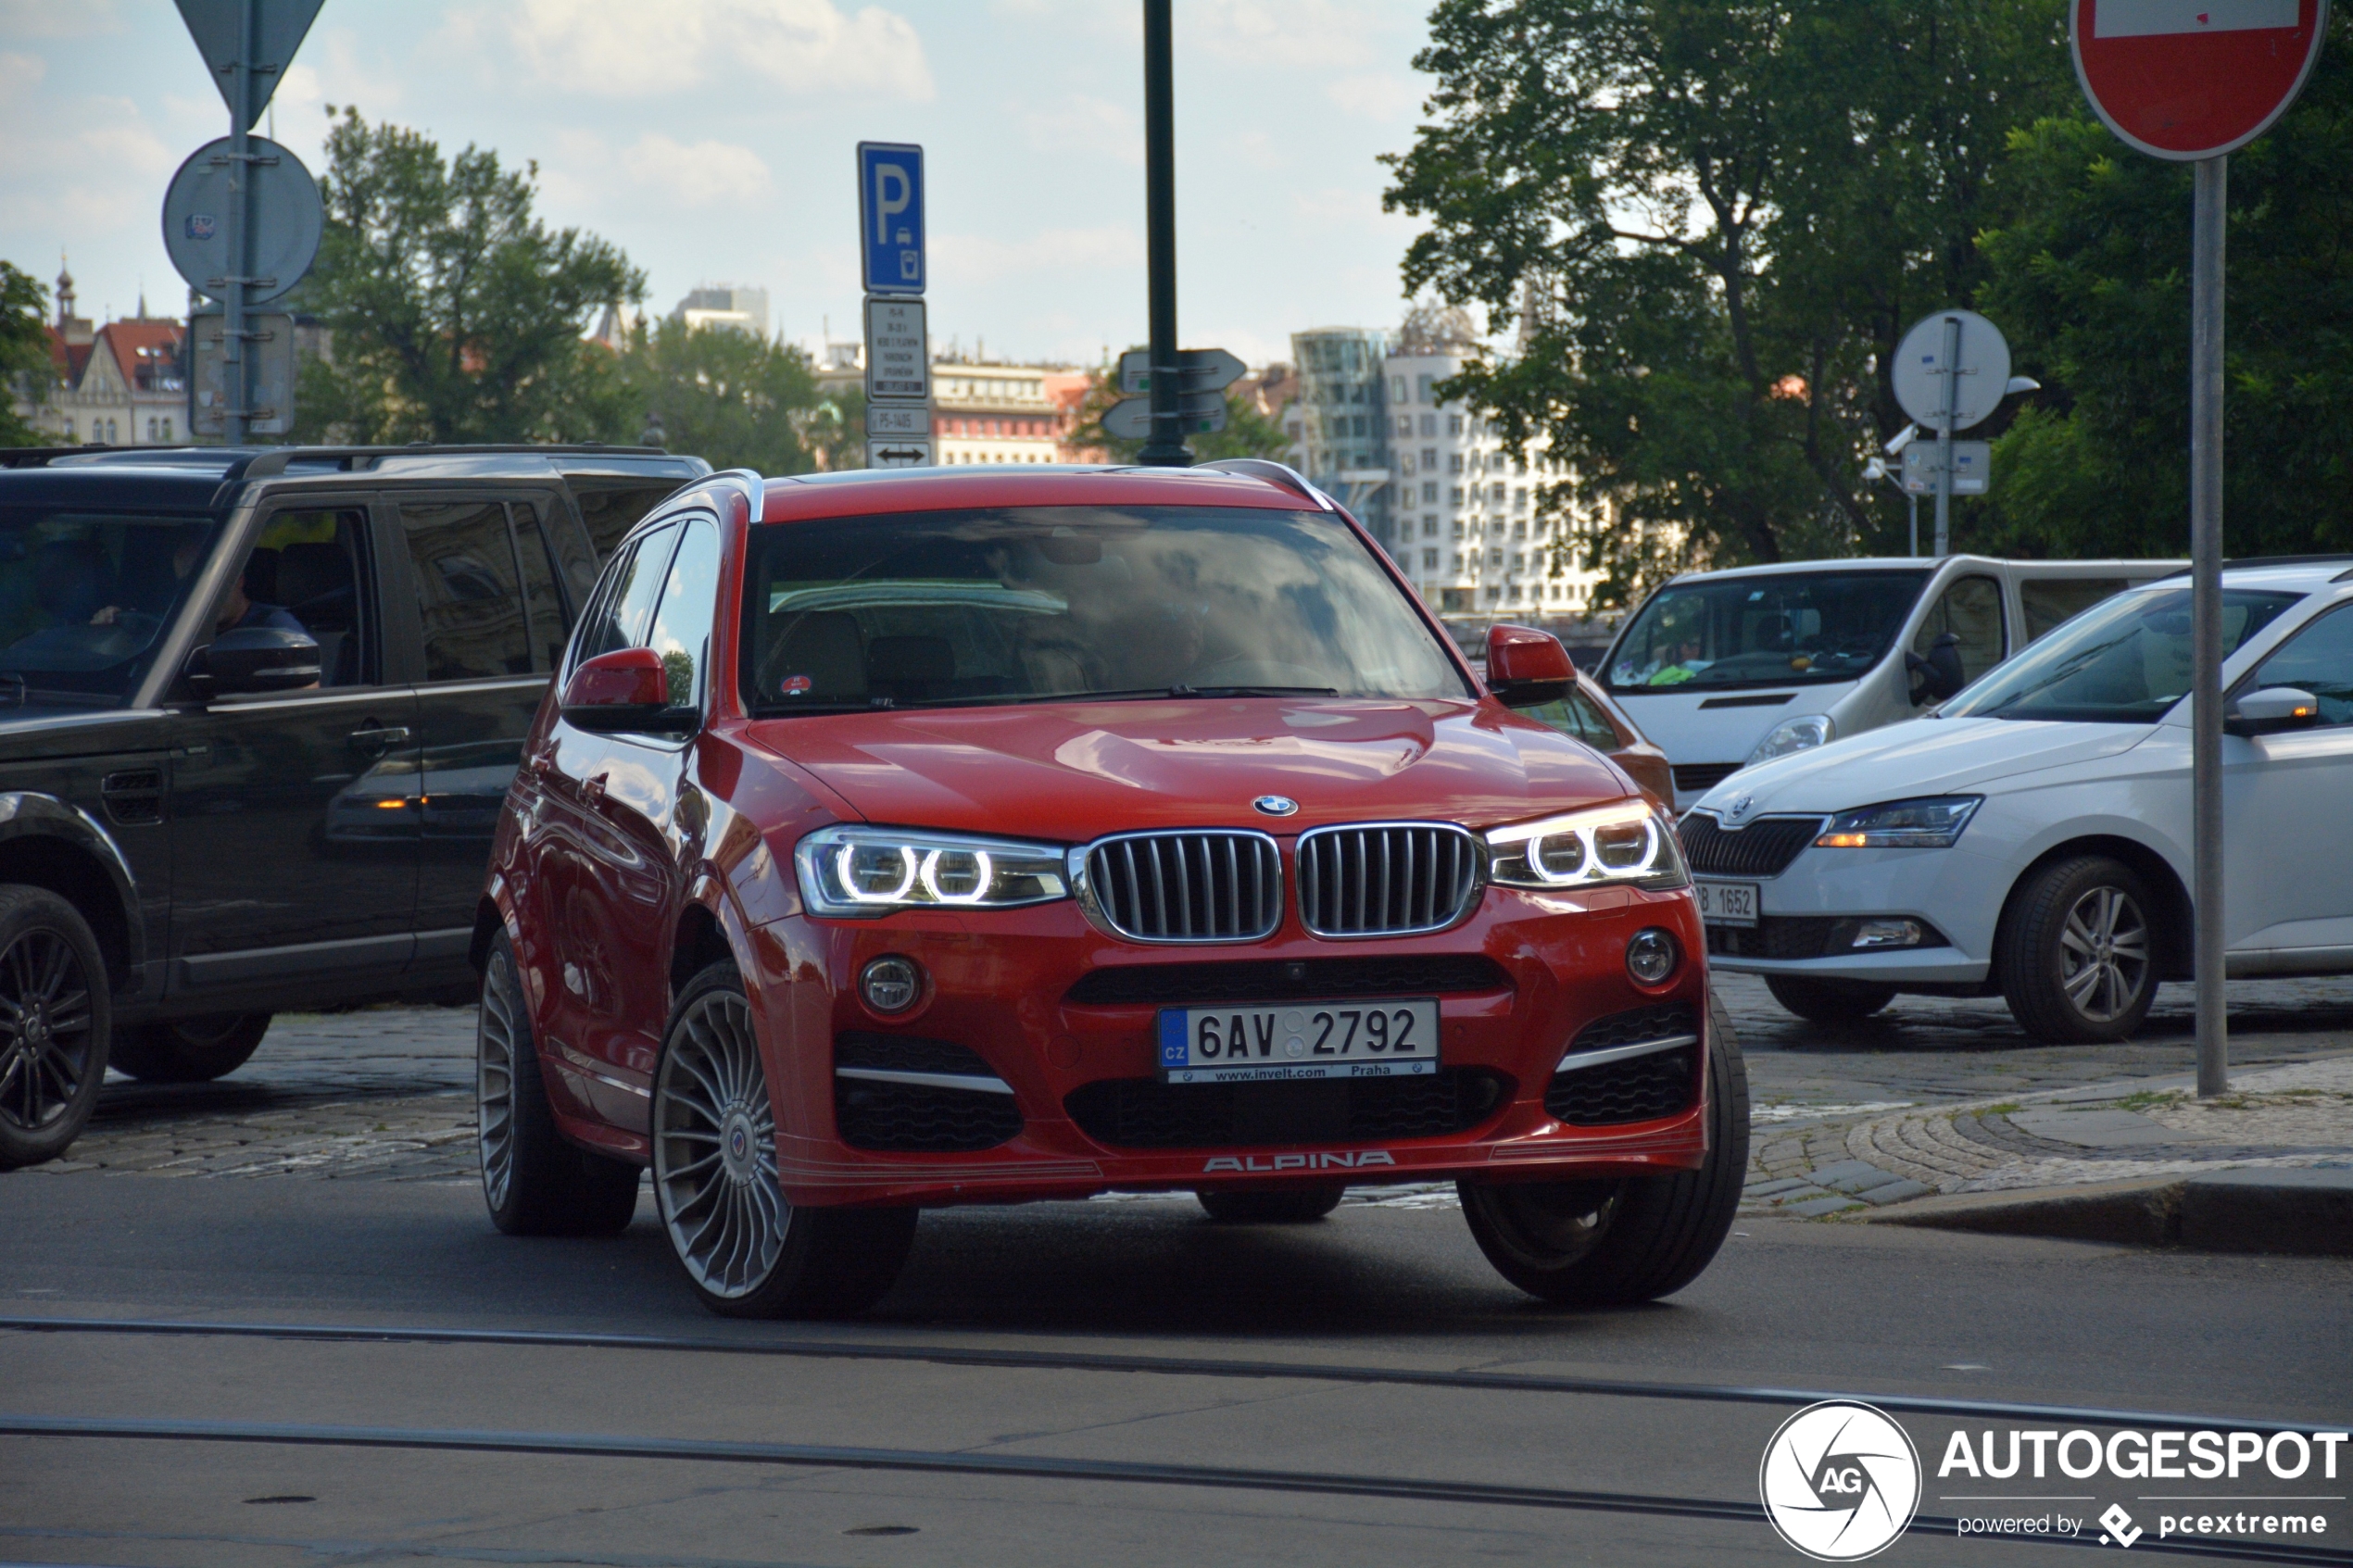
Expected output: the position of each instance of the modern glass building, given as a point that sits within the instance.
(1343, 390)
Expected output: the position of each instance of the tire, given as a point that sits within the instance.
(59, 1021)
(189, 1050)
(1283, 1205)
(1828, 1001)
(747, 1249)
(535, 1180)
(1615, 1243)
(2076, 955)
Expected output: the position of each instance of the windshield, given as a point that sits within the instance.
(2123, 662)
(1787, 629)
(1055, 603)
(84, 598)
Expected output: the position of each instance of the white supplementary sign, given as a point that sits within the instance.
(899, 419)
(898, 452)
(2149, 18)
(898, 352)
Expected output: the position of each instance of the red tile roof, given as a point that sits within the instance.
(144, 350)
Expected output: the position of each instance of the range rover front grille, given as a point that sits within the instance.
(1385, 879)
(1215, 885)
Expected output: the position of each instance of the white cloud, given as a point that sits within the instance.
(699, 175)
(1377, 95)
(76, 166)
(979, 259)
(1321, 34)
(49, 18)
(1079, 125)
(627, 48)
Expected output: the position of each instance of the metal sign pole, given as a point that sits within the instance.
(237, 387)
(1912, 508)
(2206, 616)
(1944, 437)
(1167, 446)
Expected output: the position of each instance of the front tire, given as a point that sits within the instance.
(536, 1182)
(189, 1050)
(1284, 1206)
(748, 1251)
(1828, 1001)
(2076, 952)
(1614, 1243)
(56, 1020)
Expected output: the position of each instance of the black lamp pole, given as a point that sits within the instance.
(1166, 447)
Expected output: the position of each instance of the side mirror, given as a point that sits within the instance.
(1527, 668)
(2270, 711)
(253, 659)
(1938, 677)
(624, 692)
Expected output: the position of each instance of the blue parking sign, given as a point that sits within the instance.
(890, 216)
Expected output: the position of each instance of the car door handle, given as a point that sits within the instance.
(592, 789)
(377, 739)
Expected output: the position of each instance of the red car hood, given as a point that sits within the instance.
(1070, 772)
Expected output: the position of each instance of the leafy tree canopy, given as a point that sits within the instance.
(24, 352)
(737, 400)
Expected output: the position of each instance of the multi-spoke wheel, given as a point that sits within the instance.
(1609, 1242)
(54, 1024)
(536, 1182)
(2076, 956)
(748, 1249)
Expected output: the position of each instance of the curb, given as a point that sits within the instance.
(2306, 1212)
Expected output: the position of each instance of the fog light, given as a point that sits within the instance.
(1650, 955)
(1886, 933)
(890, 983)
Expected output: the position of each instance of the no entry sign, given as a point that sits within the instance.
(2194, 79)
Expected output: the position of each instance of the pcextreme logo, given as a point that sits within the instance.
(1840, 1481)
(1345, 1159)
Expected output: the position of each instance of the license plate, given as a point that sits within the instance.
(1383, 1039)
(1727, 903)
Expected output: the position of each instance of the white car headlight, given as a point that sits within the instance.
(1930, 824)
(858, 872)
(1631, 842)
(1801, 734)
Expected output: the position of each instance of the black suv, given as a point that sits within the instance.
(258, 709)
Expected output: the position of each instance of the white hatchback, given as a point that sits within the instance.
(2031, 838)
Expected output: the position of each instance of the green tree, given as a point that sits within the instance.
(737, 400)
(2090, 277)
(457, 315)
(1713, 220)
(1248, 432)
(24, 354)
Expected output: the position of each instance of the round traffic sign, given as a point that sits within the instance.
(283, 206)
(2194, 79)
(1975, 364)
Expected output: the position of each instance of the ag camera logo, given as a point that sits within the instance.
(1840, 1481)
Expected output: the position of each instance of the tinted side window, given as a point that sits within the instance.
(468, 594)
(624, 599)
(541, 595)
(611, 511)
(1972, 611)
(2048, 601)
(682, 625)
(304, 573)
(2318, 659)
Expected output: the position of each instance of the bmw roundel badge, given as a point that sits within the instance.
(1276, 805)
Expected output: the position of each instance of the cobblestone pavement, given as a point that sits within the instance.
(385, 1094)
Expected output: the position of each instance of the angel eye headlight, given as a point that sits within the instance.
(859, 872)
(1629, 843)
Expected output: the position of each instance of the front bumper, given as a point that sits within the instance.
(1000, 988)
(1954, 893)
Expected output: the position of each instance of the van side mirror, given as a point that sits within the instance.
(2270, 711)
(253, 659)
(624, 692)
(1938, 677)
(1527, 668)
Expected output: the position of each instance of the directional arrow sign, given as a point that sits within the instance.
(219, 28)
(1202, 370)
(1130, 419)
(898, 453)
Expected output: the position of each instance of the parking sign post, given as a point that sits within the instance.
(893, 261)
(2193, 83)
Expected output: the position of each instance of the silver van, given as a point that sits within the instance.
(1724, 668)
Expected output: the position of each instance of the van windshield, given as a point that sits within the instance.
(1785, 629)
(2123, 662)
(85, 596)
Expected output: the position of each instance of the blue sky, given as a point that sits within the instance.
(712, 140)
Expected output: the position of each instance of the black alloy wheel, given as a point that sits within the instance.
(54, 1021)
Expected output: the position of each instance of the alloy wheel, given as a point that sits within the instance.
(2104, 954)
(497, 1033)
(45, 1036)
(715, 1149)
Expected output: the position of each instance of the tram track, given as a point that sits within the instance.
(1174, 1366)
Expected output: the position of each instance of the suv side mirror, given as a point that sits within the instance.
(1939, 676)
(254, 659)
(2270, 711)
(624, 692)
(1527, 668)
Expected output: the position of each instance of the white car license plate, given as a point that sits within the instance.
(1389, 1039)
(1726, 903)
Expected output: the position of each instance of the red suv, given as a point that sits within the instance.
(908, 838)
